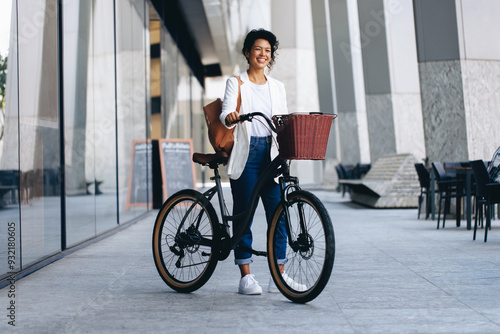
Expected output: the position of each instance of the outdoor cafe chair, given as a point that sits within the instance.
(344, 172)
(487, 194)
(424, 178)
(448, 187)
(342, 175)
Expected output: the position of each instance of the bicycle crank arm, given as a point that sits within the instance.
(251, 251)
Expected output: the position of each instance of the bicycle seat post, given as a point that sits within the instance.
(216, 176)
(213, 161)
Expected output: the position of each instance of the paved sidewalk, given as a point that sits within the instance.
(392, 274)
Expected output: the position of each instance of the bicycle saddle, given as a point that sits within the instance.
(212, 159)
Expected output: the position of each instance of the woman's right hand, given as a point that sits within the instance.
(232, 117)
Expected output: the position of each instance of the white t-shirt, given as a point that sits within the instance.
(261, 102)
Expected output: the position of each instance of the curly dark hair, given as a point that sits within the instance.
(256, 34)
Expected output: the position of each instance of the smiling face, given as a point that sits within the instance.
(259, 54)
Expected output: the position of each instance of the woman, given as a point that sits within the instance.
(253, 143)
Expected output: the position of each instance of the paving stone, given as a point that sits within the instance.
(392, 274)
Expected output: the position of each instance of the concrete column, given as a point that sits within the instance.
(292, 24)
(340, 76)
(291, 21)
(387, 46)
(459, 77)
(325, 72)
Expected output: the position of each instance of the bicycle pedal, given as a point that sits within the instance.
(205, 254)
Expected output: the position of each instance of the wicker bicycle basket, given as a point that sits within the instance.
(303, 136)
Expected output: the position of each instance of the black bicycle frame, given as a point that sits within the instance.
(276, 168)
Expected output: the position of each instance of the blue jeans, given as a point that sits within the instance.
(241, 189)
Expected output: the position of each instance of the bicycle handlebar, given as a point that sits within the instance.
(248, 117)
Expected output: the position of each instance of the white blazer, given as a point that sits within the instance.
(242, 133)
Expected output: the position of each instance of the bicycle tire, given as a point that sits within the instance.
(185, 268)
(310, 265)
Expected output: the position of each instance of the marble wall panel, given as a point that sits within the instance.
(363, 137)
(482, 107)
(443, 111)
(349, 142)
(379, 110)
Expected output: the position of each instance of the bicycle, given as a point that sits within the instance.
(189, 239)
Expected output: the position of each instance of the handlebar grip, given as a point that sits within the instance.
(244, 117)
(250, 116)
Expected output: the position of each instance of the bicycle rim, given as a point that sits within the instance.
(182, 241)
(310, 250)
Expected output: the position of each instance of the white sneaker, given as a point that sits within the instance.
(249, 286)
(292, 284)
(272, 286)
(289, 281)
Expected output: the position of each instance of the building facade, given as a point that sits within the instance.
(91, 82)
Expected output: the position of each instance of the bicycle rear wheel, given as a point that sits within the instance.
(183, 238)
(310, 248)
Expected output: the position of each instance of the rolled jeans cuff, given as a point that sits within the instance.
(240, 262)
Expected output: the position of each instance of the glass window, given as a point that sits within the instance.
(170, 78)
(183, 122)
(103, 118)
(107, 112)
(199, 135)
(90, 118)
(9, 157)
(78, 134)
(133, 107)
(39, 131)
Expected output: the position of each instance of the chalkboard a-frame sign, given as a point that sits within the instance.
(177, 168)
(140, 176)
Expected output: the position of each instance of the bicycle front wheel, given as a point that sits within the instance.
(301, 256)
(183, 238)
